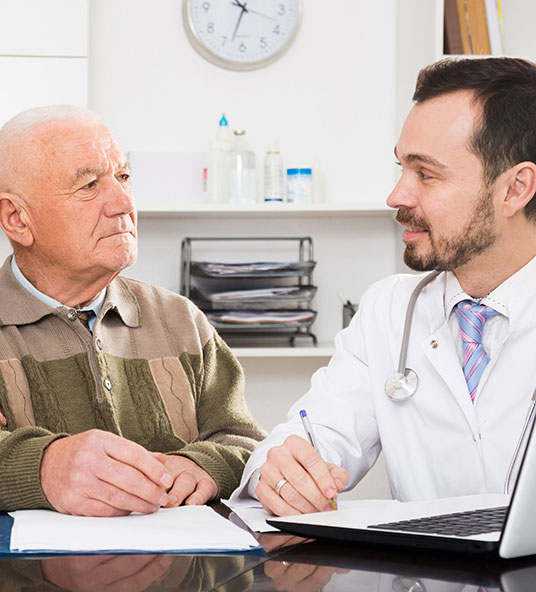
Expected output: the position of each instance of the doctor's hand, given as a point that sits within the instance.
(192, 485)
(97, 473)
(299, 577)
(306, 482)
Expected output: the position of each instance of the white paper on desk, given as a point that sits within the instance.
(183, 529)
(255, 516)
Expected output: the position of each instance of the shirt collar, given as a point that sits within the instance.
(95, 305)
(19, 306)
(507, 298)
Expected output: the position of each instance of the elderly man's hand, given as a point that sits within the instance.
(192, 484)
(308, 482)
(104, 572)
(97, 473)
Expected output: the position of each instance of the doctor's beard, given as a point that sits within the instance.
(448, 253)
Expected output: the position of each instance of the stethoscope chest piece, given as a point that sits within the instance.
(401, 386)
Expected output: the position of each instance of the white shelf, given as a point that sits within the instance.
(323, 350)
(232, 210)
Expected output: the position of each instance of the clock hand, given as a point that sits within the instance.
(261, 14)
(244, 9)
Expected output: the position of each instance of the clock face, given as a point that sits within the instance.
(241, 34)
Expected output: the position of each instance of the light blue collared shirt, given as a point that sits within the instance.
(496, 329)
(94, 306)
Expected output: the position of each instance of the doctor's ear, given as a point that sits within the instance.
(14, 219)
(520, 187)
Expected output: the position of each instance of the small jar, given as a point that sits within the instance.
(292, 184)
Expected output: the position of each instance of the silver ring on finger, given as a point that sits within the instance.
(279, 485)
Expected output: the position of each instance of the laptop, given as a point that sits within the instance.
(486, 523)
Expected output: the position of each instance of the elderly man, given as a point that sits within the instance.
(117, 396)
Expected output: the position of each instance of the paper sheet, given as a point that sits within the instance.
(254, 515)
(361, 513)
(180, 530)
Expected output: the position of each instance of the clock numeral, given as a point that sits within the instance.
(206, 6)
(242, 47)
(281, 10)
(210, 27)
(277, 30)
(263, 43)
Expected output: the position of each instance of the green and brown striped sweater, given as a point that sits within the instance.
(153, 371)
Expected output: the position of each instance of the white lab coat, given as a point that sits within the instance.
(436, 443)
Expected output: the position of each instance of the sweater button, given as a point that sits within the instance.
(107, 384)
(71, 315)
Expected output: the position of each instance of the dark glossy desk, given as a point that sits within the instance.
(290, 563)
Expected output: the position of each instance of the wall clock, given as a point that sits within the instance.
(241, 34)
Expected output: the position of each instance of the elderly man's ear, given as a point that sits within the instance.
(14, 219)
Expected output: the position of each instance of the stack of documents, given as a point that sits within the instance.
(256, 269)
(187, 529)
(272, 298)
(254, 294)
(258, 302)
(261, 319)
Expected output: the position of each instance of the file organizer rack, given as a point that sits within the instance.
(213, 286)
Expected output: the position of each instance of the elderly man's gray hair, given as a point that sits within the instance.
(22, 124)
(27, 119)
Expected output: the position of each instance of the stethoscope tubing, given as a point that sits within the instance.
(409, 318)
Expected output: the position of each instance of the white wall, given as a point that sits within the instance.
(330, 97)
(43, 54)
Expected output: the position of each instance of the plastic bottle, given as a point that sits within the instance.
(305, 186)
(273, 175)
(300, 186)
(219, 163)
(243, 171)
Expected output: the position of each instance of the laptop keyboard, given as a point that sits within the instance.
(457, 524)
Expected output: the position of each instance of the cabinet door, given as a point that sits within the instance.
(31, 82)
(44, 27)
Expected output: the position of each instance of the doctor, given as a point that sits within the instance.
(467, 153)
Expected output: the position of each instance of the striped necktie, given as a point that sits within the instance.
(471, 317)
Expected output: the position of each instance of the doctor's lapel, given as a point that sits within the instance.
(440, 350)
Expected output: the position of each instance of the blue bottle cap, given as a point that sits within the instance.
(293, 171)
(306, 172)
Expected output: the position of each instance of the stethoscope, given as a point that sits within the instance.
(403, 383)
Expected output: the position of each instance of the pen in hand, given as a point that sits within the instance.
(309, 431)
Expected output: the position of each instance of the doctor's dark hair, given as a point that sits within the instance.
(506, 90)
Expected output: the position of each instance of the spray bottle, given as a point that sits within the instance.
(219, 162)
